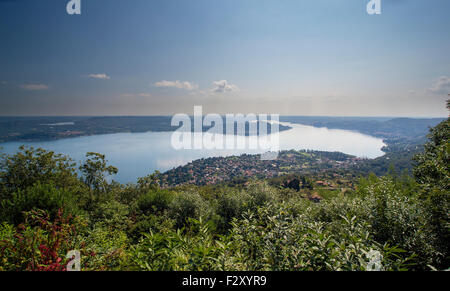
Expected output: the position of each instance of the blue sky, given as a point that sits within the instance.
(142, 57)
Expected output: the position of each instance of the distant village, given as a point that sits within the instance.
(331, 166)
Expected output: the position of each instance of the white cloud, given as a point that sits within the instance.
(441, 86)
(223, 86)
(145, 95)
(177, 84)
(34, 87)
(99, 76)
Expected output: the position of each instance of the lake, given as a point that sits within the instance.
(139, 154)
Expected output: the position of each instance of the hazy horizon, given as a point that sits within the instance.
(282, 115)
(169, 115)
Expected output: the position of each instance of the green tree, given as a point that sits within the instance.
(29, 165)
(432, 172)
(95, 171)
(151, 181)
(37, 197)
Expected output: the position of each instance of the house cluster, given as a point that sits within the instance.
(221, 169)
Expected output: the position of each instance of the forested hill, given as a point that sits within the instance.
(387, 128)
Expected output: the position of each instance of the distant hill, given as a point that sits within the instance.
(387, 128)
(52, 128)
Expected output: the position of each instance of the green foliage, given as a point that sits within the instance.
(44, 197)
(399, 218)
(105, 248)
(113, 214)
(188, 205)
(151, 181)
(151, 223)
(433, 165)
(261, 193)
(30, 165)
(175, 251)
(231, 203)
(96, 170)
(39, 244)
(155, 201)
(432, 172)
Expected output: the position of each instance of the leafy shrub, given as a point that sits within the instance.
(274, 240)
(432, 172)
(261, 193)
(40, 196)
(195, 250)
(151, 223)
(113, 214)
(231, 204)
(155, 201)
(188, 205)
(39, 244)
(29, 165)
(104, 248)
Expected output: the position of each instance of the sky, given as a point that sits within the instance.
(287, 57)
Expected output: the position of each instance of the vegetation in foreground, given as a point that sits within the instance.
(49, 206)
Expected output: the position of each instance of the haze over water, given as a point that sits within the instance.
(139, 154)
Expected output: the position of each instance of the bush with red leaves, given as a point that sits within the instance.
(39, 244)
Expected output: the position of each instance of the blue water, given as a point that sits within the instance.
(139, 154)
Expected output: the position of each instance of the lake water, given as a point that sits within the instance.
(139, 154)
